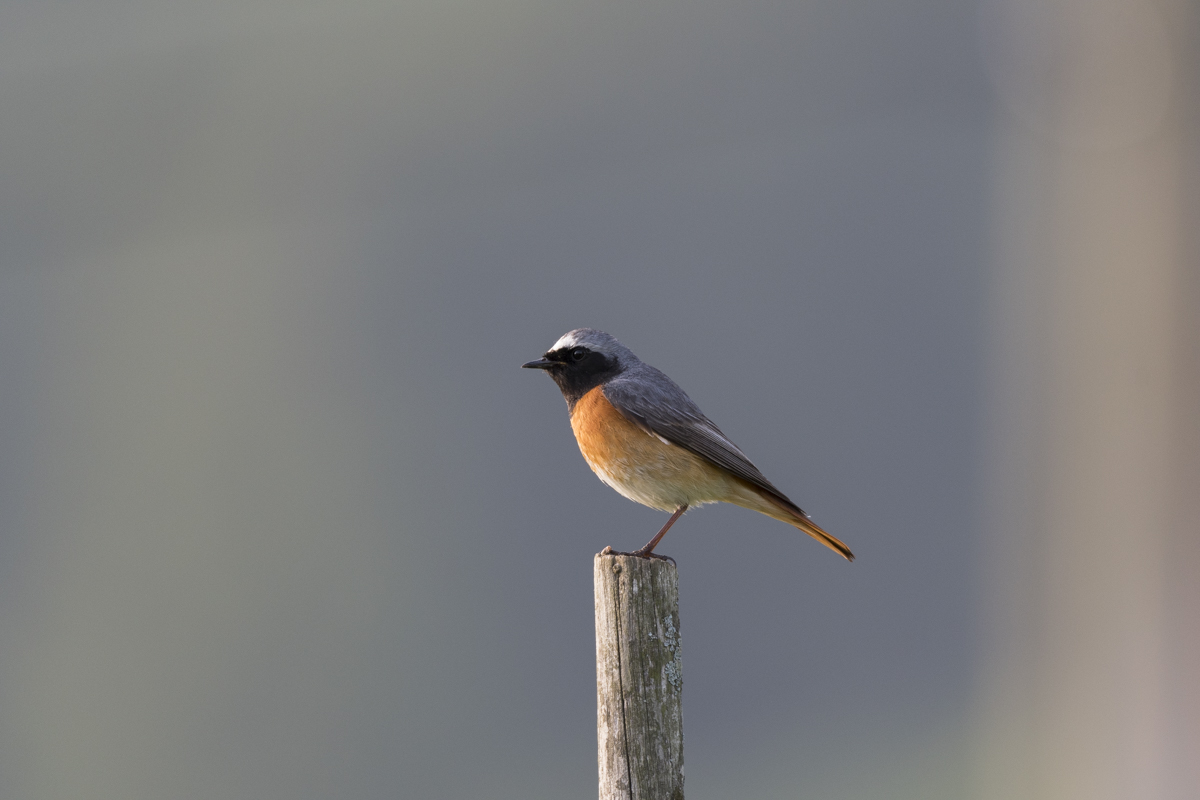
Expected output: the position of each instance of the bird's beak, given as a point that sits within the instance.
(541, 363)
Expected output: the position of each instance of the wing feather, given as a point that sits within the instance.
(657, 405)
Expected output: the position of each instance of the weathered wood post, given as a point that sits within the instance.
(639, 678)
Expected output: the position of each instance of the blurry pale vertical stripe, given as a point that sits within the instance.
(1086, 408)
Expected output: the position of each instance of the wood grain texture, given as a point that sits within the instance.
(639, 679)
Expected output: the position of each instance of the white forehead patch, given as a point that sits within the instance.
(567, 340)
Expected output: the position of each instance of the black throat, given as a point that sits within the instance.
(577, 379)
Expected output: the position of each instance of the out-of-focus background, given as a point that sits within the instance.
(280, 517)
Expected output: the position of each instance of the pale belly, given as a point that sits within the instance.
(663, 483)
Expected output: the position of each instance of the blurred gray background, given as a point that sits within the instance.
(281, 517)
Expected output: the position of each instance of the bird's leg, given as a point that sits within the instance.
(648, 550)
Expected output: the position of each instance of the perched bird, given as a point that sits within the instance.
(645, 438)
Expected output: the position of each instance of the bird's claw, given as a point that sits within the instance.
(643, 553)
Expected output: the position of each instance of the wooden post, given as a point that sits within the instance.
(639, 678)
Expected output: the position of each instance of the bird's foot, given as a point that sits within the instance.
(643, 553)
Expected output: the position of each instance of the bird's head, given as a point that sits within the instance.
(583, 359)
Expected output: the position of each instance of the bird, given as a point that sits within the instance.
(644, 437)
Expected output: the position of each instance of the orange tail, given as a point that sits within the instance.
(785, 512)
(747, 495)
(817, 532)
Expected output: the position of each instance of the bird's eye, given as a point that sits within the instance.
(578, 353)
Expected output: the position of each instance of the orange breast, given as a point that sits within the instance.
(638, 464)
